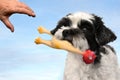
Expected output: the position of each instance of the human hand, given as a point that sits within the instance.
(9, 7)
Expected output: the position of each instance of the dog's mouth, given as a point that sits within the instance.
(68, 38)
(69, 35)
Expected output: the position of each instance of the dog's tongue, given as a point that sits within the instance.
(89, 56)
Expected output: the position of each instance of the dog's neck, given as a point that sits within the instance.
(85, 44)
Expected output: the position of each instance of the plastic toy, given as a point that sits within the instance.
(88, 56)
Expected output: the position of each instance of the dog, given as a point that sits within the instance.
(87, 31)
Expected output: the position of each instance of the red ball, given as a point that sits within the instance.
(89, 56)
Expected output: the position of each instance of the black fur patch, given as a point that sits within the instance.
(103, 34)
(66, 22)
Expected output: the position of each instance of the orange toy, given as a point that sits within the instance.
(88, 55)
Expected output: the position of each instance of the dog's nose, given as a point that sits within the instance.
(52, 32)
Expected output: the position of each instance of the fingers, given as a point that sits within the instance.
(21, 4)
(24, 9)
(8, 24)
(14, 6)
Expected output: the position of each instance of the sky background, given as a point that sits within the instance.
(22, 59)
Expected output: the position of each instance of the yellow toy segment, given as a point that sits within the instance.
(38, 41)
(65, 45)
(42, 30)
(41, 41)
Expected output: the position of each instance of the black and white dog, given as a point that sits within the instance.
(87, 31)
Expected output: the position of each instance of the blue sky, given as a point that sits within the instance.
(21, 59)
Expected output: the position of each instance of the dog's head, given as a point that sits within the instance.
(83, 30)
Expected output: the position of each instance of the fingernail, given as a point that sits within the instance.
(12, 29)
(33, 15)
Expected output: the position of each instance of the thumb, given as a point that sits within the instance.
(8, 24)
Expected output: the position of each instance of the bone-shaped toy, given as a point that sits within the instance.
(88, 55)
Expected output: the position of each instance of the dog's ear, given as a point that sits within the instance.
(102, 33)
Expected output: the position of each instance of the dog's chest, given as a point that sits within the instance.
(76, 69)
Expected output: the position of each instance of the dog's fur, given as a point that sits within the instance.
(87, 31)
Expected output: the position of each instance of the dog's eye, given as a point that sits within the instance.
(85, 25)
(84, 29)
